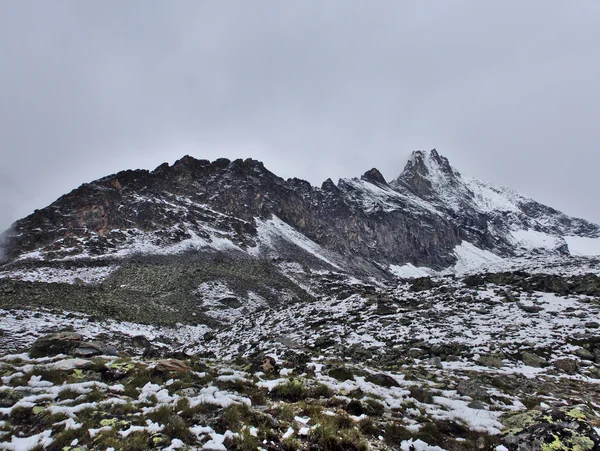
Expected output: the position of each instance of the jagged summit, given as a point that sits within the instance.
(374, 176)
(427, 172)
(240, 207)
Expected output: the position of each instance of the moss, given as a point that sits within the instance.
(291, 444)
(244, 441)
(341, 373)
(112, 422)
(329, 438)
(76, 376)
(67, 393)
(556, 445)
(95, 395)
(292, 391)
(57, 377)
(284, 413)
(576, 413)
(395, 433)
(515, 423)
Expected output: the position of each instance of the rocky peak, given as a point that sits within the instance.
(328, 185)
(374, 176)
(427, 172)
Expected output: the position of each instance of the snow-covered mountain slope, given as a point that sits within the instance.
(490, 217)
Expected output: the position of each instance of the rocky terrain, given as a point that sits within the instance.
(216, 306)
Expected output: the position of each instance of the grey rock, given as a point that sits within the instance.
(570, 366)
(534, 360)
(436, 362)
(53, 344)
(476, 405)
(421, 395)
(472, 389)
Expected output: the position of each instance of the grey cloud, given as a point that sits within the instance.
(316, 89)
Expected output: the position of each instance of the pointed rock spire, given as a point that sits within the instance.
(374, 176)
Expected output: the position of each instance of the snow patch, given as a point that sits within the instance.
(273, 229)
(471, 258)
(582, 246)
(410, 271)
(532, 239)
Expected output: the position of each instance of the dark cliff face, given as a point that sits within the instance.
(418, 218)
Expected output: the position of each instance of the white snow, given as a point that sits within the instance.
(418, 445)
(532, 239)
(471, 258)
(409, 271)
(272, 230)
(27, 443)
(60, 275)
(583, 246)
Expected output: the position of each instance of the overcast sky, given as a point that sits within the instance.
(508, 91)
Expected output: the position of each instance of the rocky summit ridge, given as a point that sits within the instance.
(214, 305)
(421, 218)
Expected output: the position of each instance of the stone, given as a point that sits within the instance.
(86, 352)
(570, 366)
(584, 354)
(471, 389)
(171, 365)
(71, 364)
(530, 308)
(421, 395)
(476, 405)
(564, 427)
(534, 360)
(436, 362)
(53, 344)
(139, 341)
(383, 380)
(269, 364)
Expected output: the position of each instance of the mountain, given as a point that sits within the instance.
(214, 305)
(426, 217)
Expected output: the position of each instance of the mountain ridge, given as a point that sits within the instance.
(419, 218)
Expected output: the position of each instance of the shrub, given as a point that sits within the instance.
(341, 373)
(291, 444)
(67, 393)
(244, 441)
(395, 433)
(292, 391)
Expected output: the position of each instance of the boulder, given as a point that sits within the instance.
(383, 380)
(534, 360)
(169, 365)
(436, 362)
(269, 364)
(72, 364)
(421, 395)
(139, 341)
(472, 389)
(570, 366)
(53, 344)
(564, 427)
